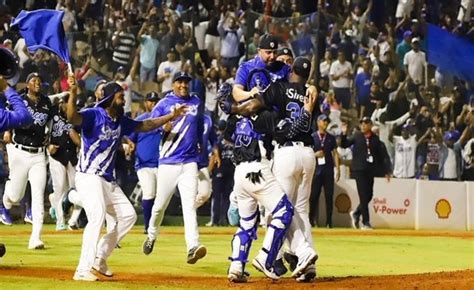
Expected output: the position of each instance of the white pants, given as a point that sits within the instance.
(268, 192)
(185, 177)
(148, 178)
(98, 197)
(63, 179)
(204, 187)
(294, 168)
(24, 167)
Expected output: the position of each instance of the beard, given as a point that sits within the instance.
(119, 109)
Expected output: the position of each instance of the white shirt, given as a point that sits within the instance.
(324, 68)
(449, 170)
(405, 160)
(344, 154)
(211, 94)
(127, 93)
(384, 47)
(18, 49)
(199, 33)
(404, 8)
(337, 68)
(172, 68)
(415, 61)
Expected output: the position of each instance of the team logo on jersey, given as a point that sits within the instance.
(108, 133)
(60, 127)
(39, 118)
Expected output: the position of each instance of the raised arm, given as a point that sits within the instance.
(17, 117)
(151, 124)
(72, 115)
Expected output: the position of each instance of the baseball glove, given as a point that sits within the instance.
(224, 97)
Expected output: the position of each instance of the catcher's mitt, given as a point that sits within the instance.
(224, 97)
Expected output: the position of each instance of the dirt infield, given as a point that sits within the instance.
(458, 280)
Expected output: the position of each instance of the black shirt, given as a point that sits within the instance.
(327, 143)
(246, 133)
(287, 99)
(34, 135)
(60, 136)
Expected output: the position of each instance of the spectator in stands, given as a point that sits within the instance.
(149, 47)
(167, 69)
(230, 33)
(325, 65)
(362, 85)
(341, 75)
(450, 159)
(403, 48)
(405, 153)
(123, 43)
(415, 62)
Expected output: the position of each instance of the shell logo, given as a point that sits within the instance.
(443, 208)
(343, 203)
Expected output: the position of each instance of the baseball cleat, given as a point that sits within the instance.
(236, 273)
(292, 260)
(355, 219)
(148, 246)
(366, 227)
(279, 267)
(260, 266)
(5, 217)
(100, 265)
(28, 216)
(85, 276)
(308, 275)
(61, 227)
(72, 227)
(304, 262)
(36, 245)
(196, 253)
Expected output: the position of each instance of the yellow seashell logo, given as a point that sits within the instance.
(443, 208)
(343, 203)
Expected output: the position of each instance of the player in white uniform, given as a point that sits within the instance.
(178, 167)
(97, 192)
(27, 159)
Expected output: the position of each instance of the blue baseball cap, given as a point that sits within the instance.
(182, 76)
(323, 117)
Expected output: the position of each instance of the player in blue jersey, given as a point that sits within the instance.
(102, 128)
(209, 138)
(179, 155)
(147, 147)
(256, 74)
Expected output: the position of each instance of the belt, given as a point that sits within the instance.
(29, 149)
(291, 143)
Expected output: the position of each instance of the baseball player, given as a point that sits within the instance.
(178, 167)
(102, 129)
(254, 182)
(204, 179)
(285, 55)
(62, 159)
(27, 159)
(146, 159)
(294, 161)
(17, 117)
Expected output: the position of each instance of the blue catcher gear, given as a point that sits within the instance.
(242, 241)
(233, 215)
(282, 216)
(224, 97)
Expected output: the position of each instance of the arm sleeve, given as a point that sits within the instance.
(128, 125)
(18, 116)
(88, 118)
(241, 76)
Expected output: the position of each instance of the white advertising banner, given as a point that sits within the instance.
(441, 205)
(345, 200)
(393, 204)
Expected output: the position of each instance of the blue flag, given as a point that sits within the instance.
(451, 53)
(43, 29)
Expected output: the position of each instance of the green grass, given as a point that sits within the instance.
(341, 255)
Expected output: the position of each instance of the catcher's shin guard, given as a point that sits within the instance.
(242, 241)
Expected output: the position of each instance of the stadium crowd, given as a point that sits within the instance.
(368, 61)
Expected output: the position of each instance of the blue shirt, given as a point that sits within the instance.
(149, 48)
(180, 144)
(147, 146)
(242, 75)
(362, 86)
(18, 116)
(208, 138)
(327, 143)
(101, 136)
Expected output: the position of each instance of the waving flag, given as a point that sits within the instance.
(43, 29)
